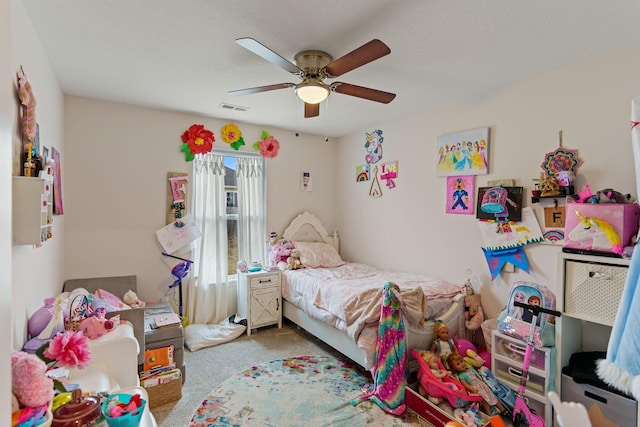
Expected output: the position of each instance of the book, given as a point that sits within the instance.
(161, 378)
(167, 319)
(153, 372)
(158, 358)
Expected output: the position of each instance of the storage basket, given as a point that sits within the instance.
(79, 309)
(488, 326)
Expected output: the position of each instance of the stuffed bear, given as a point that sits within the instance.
(293, 262)
(131, 299)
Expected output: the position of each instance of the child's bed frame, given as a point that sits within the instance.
(308, 228)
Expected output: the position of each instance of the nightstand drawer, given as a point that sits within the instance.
(265, 280)
(514, 349)
(583, 280)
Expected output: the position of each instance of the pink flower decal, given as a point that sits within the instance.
(69, 349)
(268, 146)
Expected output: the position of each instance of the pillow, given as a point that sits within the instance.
(318, 254)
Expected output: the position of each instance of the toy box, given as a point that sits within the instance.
(600, 229)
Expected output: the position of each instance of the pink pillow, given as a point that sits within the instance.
(318, 254)
(111, 299)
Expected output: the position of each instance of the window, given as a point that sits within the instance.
(241, 178)
(231, 190)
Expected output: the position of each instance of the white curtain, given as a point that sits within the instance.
(251, 209)
(208, 291)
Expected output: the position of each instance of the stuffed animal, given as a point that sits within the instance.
(280, 252)
(97, 324)
(29, 382)
(474, 313)
(131, 299)
(293, 262)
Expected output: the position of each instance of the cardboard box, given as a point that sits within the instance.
(162, 394)
(589, 228)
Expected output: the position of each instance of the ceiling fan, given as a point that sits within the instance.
(313, 67)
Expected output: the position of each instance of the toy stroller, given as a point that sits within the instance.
(521, 411)
(448, 387)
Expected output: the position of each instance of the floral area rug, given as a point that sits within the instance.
(299, 391)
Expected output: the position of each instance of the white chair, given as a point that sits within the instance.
(114, 368)
(569, 414)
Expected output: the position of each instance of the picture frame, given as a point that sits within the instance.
(499, 203)
(460, 194)
(463, 153)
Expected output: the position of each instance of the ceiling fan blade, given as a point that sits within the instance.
(363, 55)
(363, 92)
(311, 110)
(266, 53)
(260, 89)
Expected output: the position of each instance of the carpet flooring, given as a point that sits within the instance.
(207, 368)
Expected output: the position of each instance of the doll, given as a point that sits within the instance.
(442, 346)
(474, 384)
(432, 360)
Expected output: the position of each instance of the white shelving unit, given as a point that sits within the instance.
(260, 299)
(591, 291)
(32, 210)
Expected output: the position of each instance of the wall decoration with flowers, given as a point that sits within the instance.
(268, 145)
(196, 140)
(232, 135)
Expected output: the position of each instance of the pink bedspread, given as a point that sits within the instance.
(349, 297)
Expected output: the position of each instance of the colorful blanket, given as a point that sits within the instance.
(391, 355)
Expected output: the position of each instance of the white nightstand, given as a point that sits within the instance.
(260, 299)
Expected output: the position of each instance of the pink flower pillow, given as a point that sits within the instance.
(318, 254)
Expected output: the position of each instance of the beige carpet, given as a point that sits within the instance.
(208, 367)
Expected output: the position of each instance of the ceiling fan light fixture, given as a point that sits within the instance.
(312, 93)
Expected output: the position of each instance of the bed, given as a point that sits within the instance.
(339, 302)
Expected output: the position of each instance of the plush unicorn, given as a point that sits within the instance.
(603, 236)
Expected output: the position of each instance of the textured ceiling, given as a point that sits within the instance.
(181, 54)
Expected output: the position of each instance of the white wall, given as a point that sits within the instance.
(28, 274)
(6, 118)
(116, 166)
(407, 227)
(37, 272)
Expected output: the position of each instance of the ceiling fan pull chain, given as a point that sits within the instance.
(326, 119)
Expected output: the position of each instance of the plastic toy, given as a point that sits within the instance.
(442, 346)
(447, 387)
(521, 411)
(474, 384)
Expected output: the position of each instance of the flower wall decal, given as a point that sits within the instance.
(196, 140)
(232, 135)
(268, 145)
